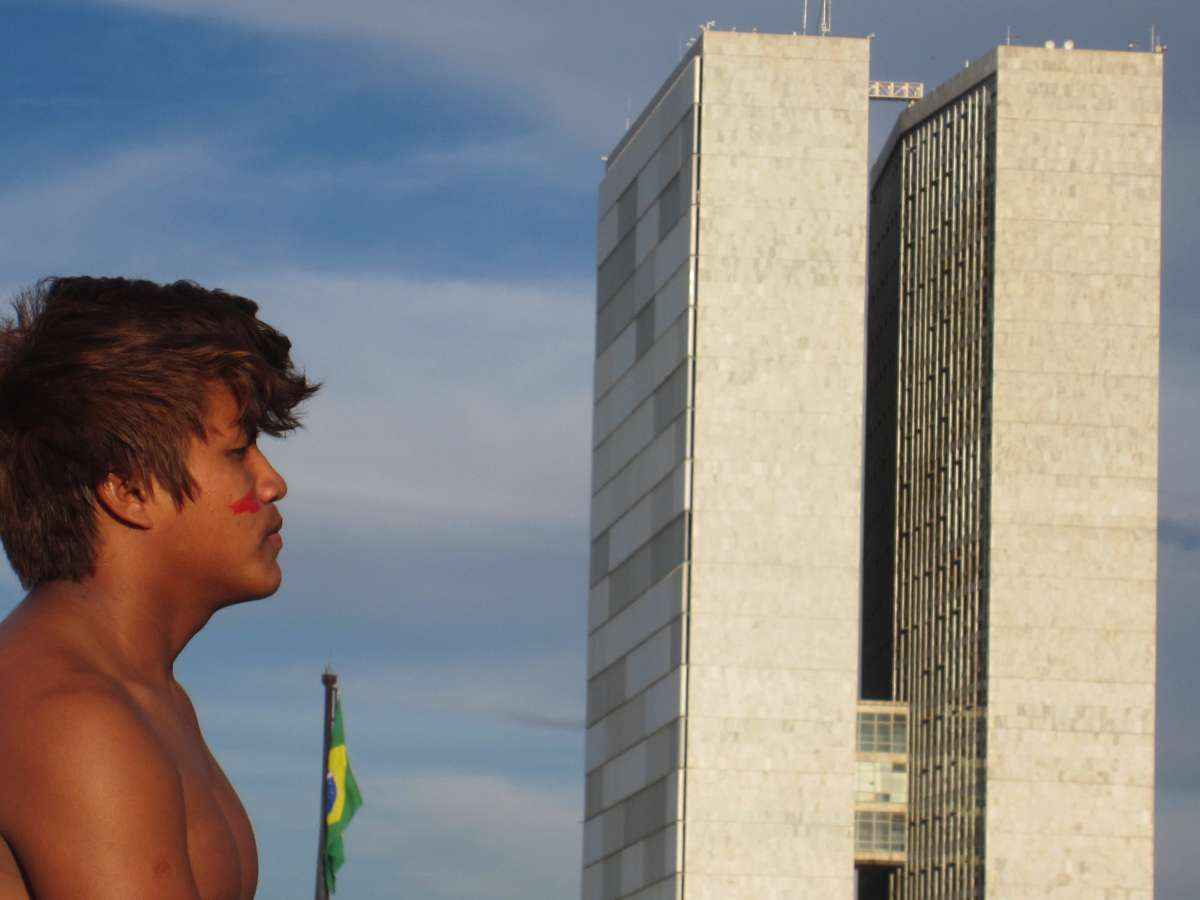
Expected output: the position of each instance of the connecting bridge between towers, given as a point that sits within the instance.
(906, 91)
(881, 793)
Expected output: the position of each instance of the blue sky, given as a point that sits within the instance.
(409, 190)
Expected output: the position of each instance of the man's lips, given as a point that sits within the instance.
(274, 529)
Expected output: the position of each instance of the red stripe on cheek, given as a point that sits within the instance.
(248, 504)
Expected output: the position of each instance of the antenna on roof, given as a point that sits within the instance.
(1156, 44)
(826, 17)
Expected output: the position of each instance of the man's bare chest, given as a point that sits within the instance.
(220, 843)
(220, 839)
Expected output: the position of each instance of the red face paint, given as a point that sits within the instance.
(248, 504)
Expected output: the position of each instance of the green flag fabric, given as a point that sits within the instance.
(342, 799)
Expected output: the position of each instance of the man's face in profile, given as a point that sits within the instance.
(226, 541)
(129, 532)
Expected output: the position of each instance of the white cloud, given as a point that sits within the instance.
(586, 64)
(120, 213)
(485, 825)
(443, 400)
(72, 217)
(537, 692)
(462, 835)
(533, 156)
(545, 51)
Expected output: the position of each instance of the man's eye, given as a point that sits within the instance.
(240, 452)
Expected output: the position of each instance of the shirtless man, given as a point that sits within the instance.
(134, 503)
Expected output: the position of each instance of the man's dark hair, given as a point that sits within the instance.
(104, 376)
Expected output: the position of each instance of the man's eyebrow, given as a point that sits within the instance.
(246, 436)
(239, 439)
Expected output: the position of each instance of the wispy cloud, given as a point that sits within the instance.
(563, 58)
(503, 44)
(520, 160)
(524, 690)
(467, 793)
(462, 835)
(58, 218)
(164, 208)
(444, 400)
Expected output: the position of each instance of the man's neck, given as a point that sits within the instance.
(127, 629)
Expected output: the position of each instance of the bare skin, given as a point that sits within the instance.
(109, 788)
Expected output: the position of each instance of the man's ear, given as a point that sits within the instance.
(126, 501)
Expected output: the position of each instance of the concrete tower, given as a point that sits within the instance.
(1012, 445)
(723, 616)
(995, 536)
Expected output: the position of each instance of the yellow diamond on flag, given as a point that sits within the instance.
(342, 799)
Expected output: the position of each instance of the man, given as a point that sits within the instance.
(134, 503)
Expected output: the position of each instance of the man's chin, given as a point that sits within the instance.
(272, 585)
(260, 588)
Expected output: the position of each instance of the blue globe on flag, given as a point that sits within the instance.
(342, 798)
(331, 790)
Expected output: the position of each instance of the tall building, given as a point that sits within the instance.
(999, 549)
(1012, 448)
(723, 650)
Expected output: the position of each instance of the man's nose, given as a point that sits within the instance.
(273, 487)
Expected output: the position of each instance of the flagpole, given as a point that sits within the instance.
(329, 679)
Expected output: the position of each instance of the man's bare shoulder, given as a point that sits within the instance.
(39, 665)
(66, 704)
(97, 807)
(64, 717)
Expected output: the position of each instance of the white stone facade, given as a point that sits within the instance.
(723, 613)
(727, 519)
(1070, 795)
(1069, 294)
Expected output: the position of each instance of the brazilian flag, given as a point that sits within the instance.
(342, 799)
